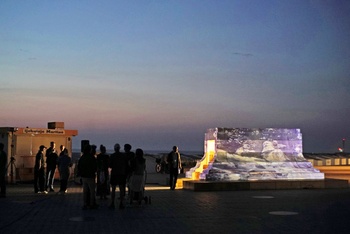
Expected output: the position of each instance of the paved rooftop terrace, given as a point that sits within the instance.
(179, 211)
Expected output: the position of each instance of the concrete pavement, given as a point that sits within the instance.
(179, 211)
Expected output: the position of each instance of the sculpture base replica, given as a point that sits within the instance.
(241, 154)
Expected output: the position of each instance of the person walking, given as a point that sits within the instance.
(174, 160)
(102, 173)
(51, 164)
(64, 162)
(119, 164)
(87, 167)
(3, 170)
(39, 171)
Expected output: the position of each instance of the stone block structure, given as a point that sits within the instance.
(250, 154)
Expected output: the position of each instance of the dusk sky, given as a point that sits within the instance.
(160, 73)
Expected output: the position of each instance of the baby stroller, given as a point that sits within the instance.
(137, 188)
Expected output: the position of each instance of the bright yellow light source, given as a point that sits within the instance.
(211, 145)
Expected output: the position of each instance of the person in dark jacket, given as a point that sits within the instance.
(119, 165)
(102, 173)
(174, 160)
(129, 156)
(138, 176)
(51, 164)
(39, 171)
(87, 167)
(64, 162)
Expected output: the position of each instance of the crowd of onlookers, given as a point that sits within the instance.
(100, 173)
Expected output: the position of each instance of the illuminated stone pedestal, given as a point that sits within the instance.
(202, 185)
(241, 154)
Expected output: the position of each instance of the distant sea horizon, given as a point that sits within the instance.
(186, 152)
(156, 153)
(193, 154)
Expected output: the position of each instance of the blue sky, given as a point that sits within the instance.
(159, 73)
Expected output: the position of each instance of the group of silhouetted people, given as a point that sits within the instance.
(100, 173)
(127, 168)
(43, 181)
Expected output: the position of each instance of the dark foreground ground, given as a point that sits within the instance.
(179, 211)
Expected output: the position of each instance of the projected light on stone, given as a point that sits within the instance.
(233, 154)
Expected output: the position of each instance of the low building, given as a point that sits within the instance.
(22, 144)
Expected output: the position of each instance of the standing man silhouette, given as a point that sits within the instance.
(87, 166)
(51, 163)
(118, 162)
(39, 171)
(129, 156)
(174, 160)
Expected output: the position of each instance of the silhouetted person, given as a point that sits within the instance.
(119, 164)
(138, 173)
(39, 171)
(3, 170)
(51, 164)
(87, 167)
(93, 150)
(129, 156)
(174, 161)
(102, 173)
(64, 162)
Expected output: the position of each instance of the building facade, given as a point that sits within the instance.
(22, 144)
